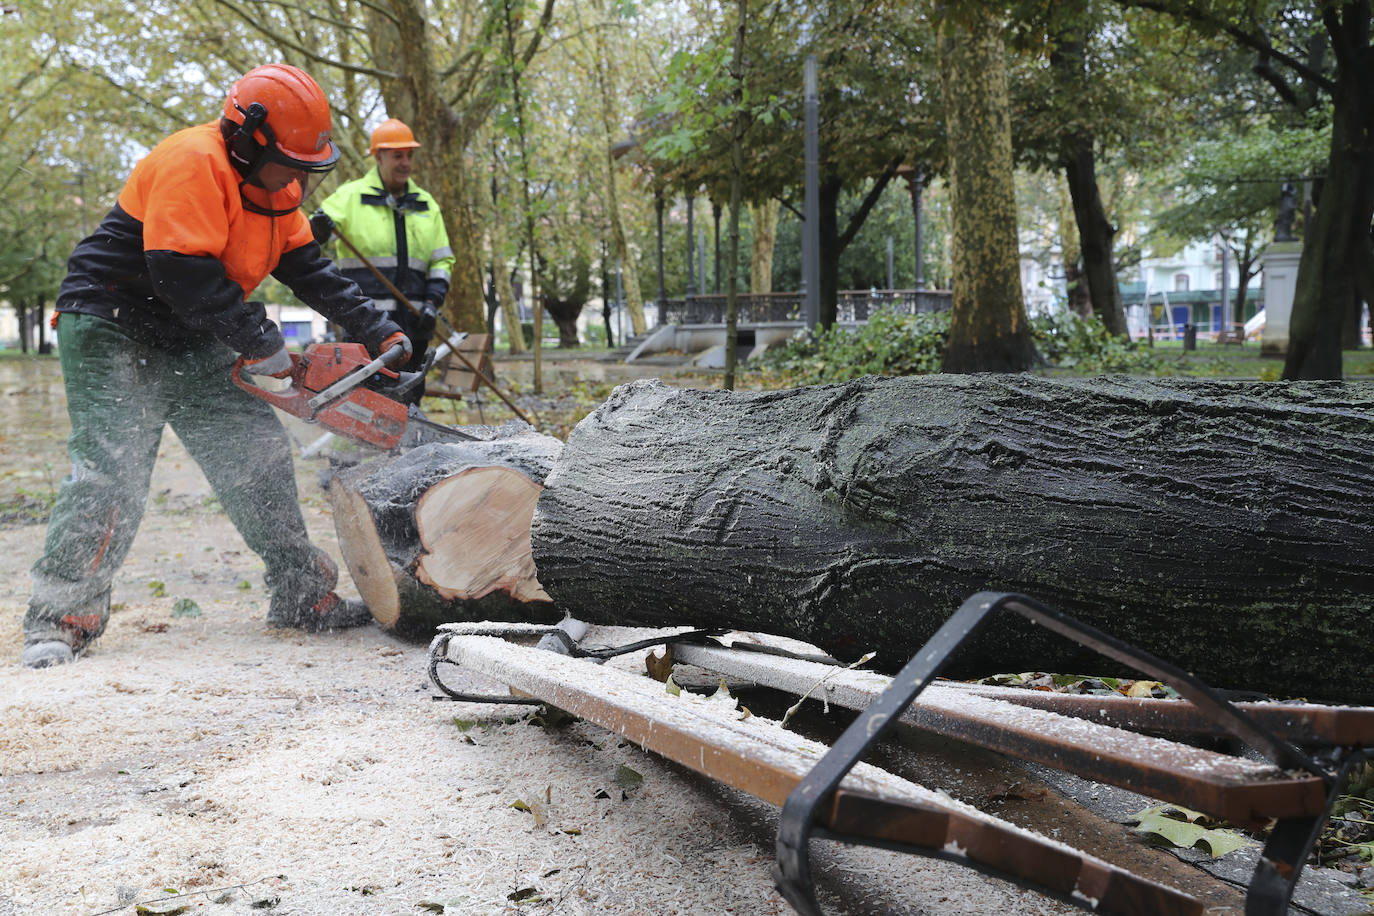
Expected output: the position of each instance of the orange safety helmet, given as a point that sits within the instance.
(277, 113)
(392, 134)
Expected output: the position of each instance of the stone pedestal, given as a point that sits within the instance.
(1280, 283)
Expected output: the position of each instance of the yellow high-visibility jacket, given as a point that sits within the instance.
(403, 237)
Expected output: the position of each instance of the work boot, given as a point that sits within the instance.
(329, 613)
(61, 645)
(47, 653)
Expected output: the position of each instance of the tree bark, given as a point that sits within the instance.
(441, 533)
(1333, 242)
(1069, 61)
(1095, 233)
(607, 82)
(515, 332)
(989, 331)
(1227, 527)
(763, 219)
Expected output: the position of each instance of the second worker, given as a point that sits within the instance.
(397, 227)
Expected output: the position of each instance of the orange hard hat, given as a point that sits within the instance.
(392, 134)
(285, 113)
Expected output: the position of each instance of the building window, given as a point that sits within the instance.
(296, 331)
(1180, 283)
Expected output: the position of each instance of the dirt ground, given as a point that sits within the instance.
(197, 761)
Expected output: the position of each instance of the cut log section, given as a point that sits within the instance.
(1226, 527)
(441, 533)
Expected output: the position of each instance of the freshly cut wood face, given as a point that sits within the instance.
(364, 555)
(475, 528)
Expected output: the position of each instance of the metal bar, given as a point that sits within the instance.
(1229, 787)
(799, 813)
(1286, 851)
(769, 763)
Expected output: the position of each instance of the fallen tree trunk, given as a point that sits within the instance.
(441, 533)
(1227, 527)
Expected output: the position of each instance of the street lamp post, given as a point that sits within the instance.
(662, 293)
(691, 241)
(811, 244)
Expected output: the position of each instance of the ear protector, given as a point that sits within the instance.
(244, 150)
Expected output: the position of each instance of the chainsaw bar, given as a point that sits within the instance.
(420, 431)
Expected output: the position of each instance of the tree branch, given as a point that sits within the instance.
(307, 53)
(1264, 71)
(856, 220)
(1256, 41)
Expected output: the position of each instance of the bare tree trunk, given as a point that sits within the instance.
(1228, 527)
(1333, 247)
(763, 218)
(606, 80)
(989, 330)
(515, 333)
(1095, 234)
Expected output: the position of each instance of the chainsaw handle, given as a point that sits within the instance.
(393, 356)
(292, 400)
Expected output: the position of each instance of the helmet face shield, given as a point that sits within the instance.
(279, 183)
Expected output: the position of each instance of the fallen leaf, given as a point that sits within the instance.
(1185, 834)
(430, 907)
(185, 607)
(627, 778)
(1142, 688)
(660, 668)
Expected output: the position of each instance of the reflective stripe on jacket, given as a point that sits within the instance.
(404, 238)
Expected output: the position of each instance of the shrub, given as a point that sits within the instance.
(896, 344)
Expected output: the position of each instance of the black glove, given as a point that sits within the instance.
(424, 322)
(321, 226)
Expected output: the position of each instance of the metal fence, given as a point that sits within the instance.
(852, 306)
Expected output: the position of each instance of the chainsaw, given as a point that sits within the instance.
(340, 387)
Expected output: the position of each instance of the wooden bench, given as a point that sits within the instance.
(829, 792)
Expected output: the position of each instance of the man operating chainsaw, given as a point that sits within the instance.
(388, 221)
(151, 316)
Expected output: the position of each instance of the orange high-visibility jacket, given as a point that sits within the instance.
(176, 258)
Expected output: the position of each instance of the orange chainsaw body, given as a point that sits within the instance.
(359, 413)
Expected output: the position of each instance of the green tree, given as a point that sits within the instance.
(875, 112)
(1232, 186)
(1308, 51)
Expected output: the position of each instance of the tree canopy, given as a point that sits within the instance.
(1200, 109)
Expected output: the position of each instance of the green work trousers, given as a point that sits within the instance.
(120, 394)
